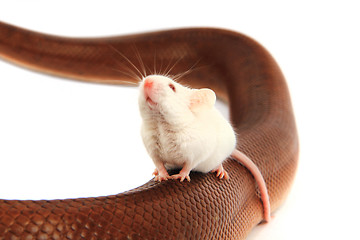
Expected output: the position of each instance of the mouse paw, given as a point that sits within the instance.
(161, 174)
(181, 176)
(160, 177)
(221, 173)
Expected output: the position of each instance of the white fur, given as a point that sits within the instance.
(174, 134)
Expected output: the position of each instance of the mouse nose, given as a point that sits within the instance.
(148, 83)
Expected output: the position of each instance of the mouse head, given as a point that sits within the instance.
(160, 94)
(159, 90)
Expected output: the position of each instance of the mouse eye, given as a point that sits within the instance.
(172, 87)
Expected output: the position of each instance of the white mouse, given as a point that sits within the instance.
(181, 128)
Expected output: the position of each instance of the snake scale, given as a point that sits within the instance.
(240, 71)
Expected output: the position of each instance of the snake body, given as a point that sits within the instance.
(240, 71)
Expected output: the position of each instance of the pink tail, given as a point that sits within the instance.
(249, 164)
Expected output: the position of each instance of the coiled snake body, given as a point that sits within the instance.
(239, 70)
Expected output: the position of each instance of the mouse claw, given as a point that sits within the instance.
(160, 178)
(221, 173)
(156, 172)
(180, 176)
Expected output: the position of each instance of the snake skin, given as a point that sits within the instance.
(240, 71)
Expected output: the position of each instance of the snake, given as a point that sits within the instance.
(241, 72)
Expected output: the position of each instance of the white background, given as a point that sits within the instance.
(61, 138)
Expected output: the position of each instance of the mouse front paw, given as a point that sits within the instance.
(160, 177)
(181, 176)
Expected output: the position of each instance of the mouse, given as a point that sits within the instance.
(181, 128)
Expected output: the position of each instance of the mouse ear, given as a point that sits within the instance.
(202, 98)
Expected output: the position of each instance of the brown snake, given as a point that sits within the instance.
(240, 71)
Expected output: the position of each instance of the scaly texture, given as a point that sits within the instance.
(239, 70)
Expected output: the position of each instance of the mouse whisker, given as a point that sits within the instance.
(167, 74)
(159, 72)
(129, 73)
(121, 68)
(163, 72)
(165, 66)
(140, 61)
(129, 83)
(155, 72)
(129, 61)
(178, 76)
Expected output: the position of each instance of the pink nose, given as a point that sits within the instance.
(148, 83)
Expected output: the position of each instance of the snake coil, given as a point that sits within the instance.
(240, 71)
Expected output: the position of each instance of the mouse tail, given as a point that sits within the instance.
(250, 165)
